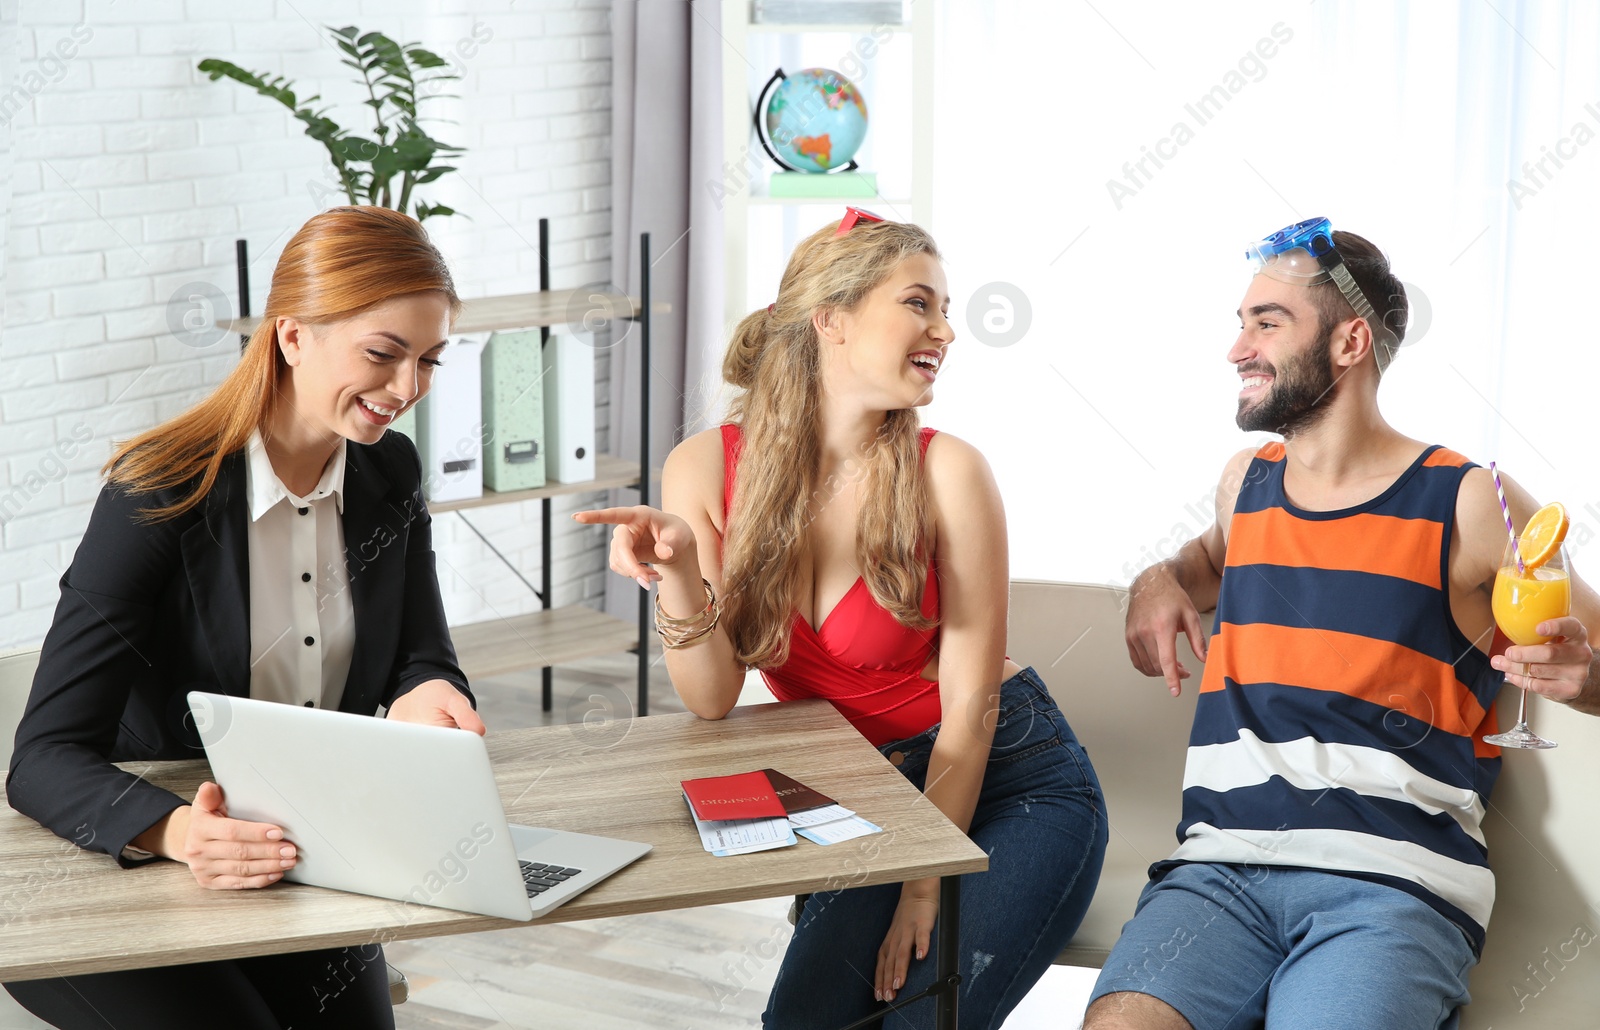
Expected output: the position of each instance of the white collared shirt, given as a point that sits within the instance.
(302, 621)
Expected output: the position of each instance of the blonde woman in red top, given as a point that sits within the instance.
(825, 538)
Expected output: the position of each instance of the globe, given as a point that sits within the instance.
(814, 120)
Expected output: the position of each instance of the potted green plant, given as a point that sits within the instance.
(385, 168)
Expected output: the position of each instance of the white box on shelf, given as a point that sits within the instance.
(450, 424)
(569, 405)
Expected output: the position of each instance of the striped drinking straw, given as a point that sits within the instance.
(1506, 511)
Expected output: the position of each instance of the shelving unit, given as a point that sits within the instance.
(551, 636)
(742, 151)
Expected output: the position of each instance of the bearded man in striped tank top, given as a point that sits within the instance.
(1331, 869)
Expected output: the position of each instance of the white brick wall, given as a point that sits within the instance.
(125, 175)
(25, 434)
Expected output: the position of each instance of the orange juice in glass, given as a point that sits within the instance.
(1522, 601)
(1534, 585)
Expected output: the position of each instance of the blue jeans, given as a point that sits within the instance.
(1042, 819)
(1238, 947)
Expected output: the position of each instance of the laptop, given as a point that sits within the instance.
(393, 809)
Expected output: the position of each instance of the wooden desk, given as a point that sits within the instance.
(66, 911)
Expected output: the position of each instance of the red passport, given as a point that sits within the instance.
(742, 796)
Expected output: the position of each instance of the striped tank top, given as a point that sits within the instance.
(1340, 717)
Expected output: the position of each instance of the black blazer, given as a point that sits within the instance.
(151, 611)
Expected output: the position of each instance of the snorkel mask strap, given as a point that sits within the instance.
(1383, 338)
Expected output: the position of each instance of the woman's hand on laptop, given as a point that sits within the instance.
(437, 703)
(223, 853)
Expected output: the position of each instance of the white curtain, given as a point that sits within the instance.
(1109, 161)
(666, 139)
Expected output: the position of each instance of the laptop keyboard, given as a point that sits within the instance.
(538, 877)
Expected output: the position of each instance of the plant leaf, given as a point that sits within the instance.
(424, 210)
(255, 80)
(354, 148)
(413, 152)
(425, 58)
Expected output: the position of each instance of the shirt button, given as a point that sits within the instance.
(897, 758)
(304, 510)
(305, 577)
(310, 641)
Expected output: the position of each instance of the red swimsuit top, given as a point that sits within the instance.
(862, 660)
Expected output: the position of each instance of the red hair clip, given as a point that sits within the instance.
(852, 216)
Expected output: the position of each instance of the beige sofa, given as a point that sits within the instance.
(1541, 967)
(1134, 732)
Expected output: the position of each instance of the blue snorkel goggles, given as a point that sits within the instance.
(1304, 254)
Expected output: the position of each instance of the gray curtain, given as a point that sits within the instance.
(666, 135)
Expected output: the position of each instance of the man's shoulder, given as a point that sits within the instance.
(1241, 470)
(1239, 462)
(1480, 530)
(1443, 457)
(1475, 495)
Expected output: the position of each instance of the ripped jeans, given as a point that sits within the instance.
(1042, 819)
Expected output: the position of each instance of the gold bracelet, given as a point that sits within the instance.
(672, 640)
(675, 632)
(663, 619)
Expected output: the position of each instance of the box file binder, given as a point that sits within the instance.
(513, 412)
(450, 424)
(569, 405)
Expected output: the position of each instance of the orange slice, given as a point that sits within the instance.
(1543, 535)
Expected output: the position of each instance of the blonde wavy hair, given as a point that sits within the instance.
(774, 358)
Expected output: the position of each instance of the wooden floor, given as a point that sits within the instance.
(701, 968)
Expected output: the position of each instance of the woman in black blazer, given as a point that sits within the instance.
(198, 571)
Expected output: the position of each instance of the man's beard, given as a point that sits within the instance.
(1297, 398)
